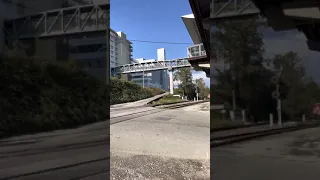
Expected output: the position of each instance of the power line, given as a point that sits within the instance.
(159, 42)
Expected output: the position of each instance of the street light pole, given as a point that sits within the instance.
(197, 92)
(143, 78)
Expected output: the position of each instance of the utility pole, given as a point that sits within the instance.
(143, 78)
(197, 93)
(276, 94)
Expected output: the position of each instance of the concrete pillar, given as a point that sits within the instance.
(303, 118)
(171, 80)
(271, 119)
(243, 112)
(232, 115)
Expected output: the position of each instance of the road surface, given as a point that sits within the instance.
(170, 145)
(294, 156)
(65, 154)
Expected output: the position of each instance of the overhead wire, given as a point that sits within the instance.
(161, 42)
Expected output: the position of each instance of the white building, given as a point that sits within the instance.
(120, 49)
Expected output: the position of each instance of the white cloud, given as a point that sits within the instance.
(196, 75)
(201, 74)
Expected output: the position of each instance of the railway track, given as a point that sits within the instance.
(180, 105)
(217, 141)
(238, 127)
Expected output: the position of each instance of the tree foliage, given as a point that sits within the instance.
(239, 45)
(201, 88)
(184, 77)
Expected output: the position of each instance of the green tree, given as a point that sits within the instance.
(184, 76)
(239, 45)
(201, 88)
(298, 91)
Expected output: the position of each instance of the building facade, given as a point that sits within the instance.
(120, 49)
(91, 50)
(156, 79)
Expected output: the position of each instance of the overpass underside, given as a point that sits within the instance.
(45, 34)
(201, 29)
(281, 15)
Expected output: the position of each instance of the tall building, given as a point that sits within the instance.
(90, 49)
(156, 79)
(90, 52)
(146, 79)
(120, 49)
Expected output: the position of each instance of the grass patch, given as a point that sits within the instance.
(219, 120)
(217, 124)
(168, 99)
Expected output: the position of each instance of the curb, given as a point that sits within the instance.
(253, 135)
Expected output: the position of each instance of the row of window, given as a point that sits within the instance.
(87, 48)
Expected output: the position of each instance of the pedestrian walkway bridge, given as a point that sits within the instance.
(58, 22)
(150, 66)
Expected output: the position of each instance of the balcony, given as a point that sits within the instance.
(196, 51)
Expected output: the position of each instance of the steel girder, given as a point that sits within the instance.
(150, 66)
(65, 21)
(226, 9)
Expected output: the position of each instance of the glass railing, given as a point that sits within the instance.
(196, 51)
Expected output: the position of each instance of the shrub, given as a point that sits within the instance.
(37, 96)
(122, 92)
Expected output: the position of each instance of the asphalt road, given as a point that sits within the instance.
(170, 144)
(292, 156)
(67, 154)
(157, 143)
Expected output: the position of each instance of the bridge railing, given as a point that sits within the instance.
(79, 19)
(223, 9)
(150, 66)
(196, 51)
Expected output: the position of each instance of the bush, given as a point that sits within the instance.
(156, 91)
(39, 96)
(122, 92)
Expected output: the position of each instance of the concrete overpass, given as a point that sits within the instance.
(198, 26)
(303, 15)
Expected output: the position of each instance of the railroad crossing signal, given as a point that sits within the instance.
(275, 94)
(274, 79)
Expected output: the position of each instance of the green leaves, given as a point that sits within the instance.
(36, 96)
(123, 92)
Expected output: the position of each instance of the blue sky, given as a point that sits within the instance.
(150, 20)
